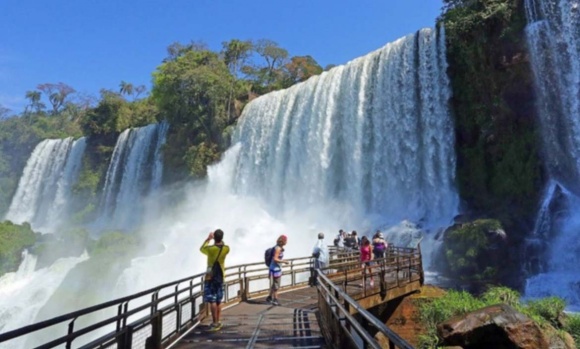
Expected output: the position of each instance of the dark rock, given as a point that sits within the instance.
(496, 326)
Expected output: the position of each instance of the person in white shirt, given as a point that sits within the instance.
(320, 253)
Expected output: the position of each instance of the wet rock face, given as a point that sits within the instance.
(497, 326)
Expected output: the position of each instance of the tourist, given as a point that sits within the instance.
(350, 242)
(320, 253)
(213, 290)
(276, 269)
(379, 245)
(366, 256)
(356, 239)
(339, 240)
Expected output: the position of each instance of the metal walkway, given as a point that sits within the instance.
(331, 315)
(258, 324)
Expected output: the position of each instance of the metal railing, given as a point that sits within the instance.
(341, 329)
(159, 316)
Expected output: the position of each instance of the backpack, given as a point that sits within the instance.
(268, 255)
(215, 274)
(316, 253)
(336, 241)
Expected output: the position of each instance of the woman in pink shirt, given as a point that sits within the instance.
(366, 255)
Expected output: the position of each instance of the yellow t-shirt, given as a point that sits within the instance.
(212, 253)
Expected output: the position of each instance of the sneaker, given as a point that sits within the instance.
(275, 302)
(215, 327)
(268, 299)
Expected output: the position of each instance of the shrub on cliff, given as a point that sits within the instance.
(14, 239)
(473, 251)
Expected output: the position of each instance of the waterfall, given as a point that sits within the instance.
(553, 35)
(44, 188)
(374, 135)
(24, 292)
(135, 171)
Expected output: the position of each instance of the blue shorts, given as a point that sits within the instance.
(213, 292)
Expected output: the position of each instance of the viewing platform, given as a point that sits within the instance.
(326, 308)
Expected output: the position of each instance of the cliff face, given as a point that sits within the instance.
(499, 170)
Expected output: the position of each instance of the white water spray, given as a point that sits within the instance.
(24, 292)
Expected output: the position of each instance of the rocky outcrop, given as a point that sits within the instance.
(497, 326)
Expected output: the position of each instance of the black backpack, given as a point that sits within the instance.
(268, 255)
(215, 274)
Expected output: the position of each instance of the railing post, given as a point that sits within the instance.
(154, 341)
(71, 327)
(246, 293)
(421, 273)
(241, 292)
(126, 340)
(292, 273)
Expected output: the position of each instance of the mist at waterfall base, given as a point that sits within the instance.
(363, 146)
(557, 230)
(553, 35)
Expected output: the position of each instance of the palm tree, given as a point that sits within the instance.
(34, 97)
(126, 88)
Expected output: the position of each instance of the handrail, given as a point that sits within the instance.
(343, 315)
(239, 275)
(174, 307)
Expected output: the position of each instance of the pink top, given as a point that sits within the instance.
(365, 253)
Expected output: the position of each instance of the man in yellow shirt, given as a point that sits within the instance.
(213, 290)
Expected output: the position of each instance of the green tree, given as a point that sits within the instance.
(235, 54)
(192, 91)
(126, 88)
(35, 103)
(274, 55)
(111, 116)
(57, 94)
(300, 68)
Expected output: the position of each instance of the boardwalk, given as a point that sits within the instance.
(331, 315)
(257, 324)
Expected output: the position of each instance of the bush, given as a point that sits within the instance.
(438, 310)
(573, 327)
(473, 250)
(495, 295)
(548, 309)
(14, 239)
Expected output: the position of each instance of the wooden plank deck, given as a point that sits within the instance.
(294, 324)
(258, 324)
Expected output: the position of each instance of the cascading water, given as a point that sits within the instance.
(25, 291)
(374, 136)
(135, 171)
(44, 188)
(553, 34)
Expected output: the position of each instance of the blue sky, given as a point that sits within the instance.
(94, 44)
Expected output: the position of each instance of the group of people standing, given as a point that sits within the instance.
(369, 249)
(217, 253)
